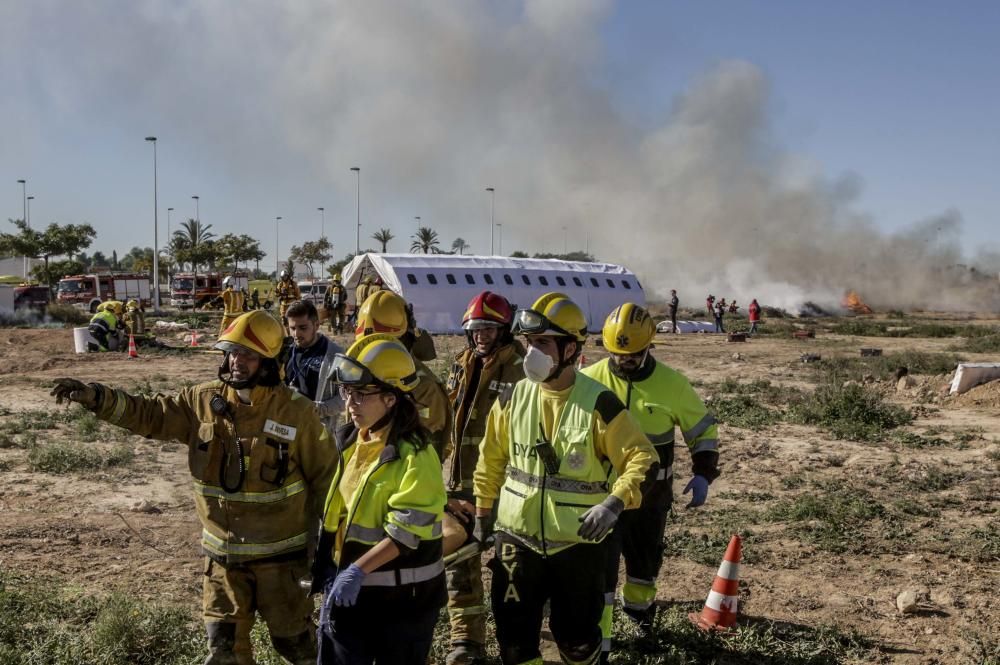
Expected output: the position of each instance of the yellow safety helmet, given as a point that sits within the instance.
(113, 306)
(257, 331)
(628, 329)
(376, 360)
(552, 314)
(132, 305)
(382, 312)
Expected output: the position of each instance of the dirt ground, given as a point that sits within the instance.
(79, 526)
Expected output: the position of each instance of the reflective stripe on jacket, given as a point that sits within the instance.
(495, 379)
(541, 510)
(289, 462)
(660, 399)
(401, 496)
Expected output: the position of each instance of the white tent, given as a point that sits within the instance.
(439, 286)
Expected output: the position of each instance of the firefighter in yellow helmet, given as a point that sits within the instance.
(378, 562)
(107, 327)
(287, 292)
(335, 303)
(135, 318)
(661, 400)
(232, 301)
(386, 312)
(545, 456)
(482, 373)
(261, 462)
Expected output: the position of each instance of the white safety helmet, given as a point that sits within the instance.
(227, 281)
(284, 274)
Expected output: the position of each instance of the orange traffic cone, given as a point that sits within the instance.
(719, 612)
(194, 338)
(133, 352)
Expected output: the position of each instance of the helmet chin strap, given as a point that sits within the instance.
(225, 375)
(561, 343)
(628, 373)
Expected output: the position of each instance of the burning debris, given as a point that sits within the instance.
(853, 303)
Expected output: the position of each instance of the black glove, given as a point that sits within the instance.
(599, 520)
(483, 531)
(75, 391)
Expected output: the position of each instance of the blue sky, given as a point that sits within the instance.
(261, 111)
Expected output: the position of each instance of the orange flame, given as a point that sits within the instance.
(853, 302)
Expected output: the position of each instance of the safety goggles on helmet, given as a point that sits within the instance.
(479, 324)
(530, 322)
(349, 372)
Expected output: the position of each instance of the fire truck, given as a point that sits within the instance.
(89, 291)
(184, 294)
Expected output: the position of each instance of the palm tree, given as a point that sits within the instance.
(383, 236)
(425, 240)
(193, 242)
(459, 246)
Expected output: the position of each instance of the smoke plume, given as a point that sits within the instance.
(437, 100)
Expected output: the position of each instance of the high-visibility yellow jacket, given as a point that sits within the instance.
(106, 320)
(232, 300)
(289, 460)
(660, 399)
(400, 495)
(589, 429)
(474, 384)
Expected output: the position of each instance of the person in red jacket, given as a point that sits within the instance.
(754, 310)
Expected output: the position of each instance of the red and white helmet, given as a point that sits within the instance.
(488, 310)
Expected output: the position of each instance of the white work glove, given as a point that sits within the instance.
(599, 520)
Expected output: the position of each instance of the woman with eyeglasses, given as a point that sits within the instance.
(379, 557)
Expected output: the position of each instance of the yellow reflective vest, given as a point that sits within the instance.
(399, 496)
(289, 460)
(593, 432)
(661, 398)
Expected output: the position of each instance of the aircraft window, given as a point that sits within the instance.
(411, 278)
(543, 281)
(594, 282)
(524, 278)
(626, 284)
(508, 279)
(488, 278)
(576, 280)
(611, 283)
(560, 281)
(470, 279)
(450, 278)
(431, 279)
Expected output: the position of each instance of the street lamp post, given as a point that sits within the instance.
(417, 217)
(564, 240)
(28, 213)
(357, 244)
(197, 208)
(277, 261)
(156, 234)
(493, 193)
(170, 263)
(24, 218)
(500, 233)
(322, 234)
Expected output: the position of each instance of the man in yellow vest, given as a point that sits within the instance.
(545, 456)
(262, 462)
(661, 399)
(232, 301)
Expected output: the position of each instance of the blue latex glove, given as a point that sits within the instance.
(347, 586)
(698, 486)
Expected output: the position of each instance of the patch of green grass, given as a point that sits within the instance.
(88, 426)
(40, 622)
(870, 328)
(986, 344)
(676, 641)
(851, 412)
(708, 548)
(916, 441)
(856, 368)
(744, 411)
(983, 545)
(67, 457)
(933, 479)
(833, 522)
(793, 480)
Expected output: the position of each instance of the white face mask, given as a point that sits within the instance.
(537, 365)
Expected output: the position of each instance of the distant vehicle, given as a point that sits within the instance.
(184, 294)
(314, 290)
(265, 291)
(31, 296)
(89, 291)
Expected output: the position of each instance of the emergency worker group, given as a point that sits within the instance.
(359, 476)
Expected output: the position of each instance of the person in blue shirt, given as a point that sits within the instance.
(309, 367)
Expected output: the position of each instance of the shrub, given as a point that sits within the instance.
(64, 457)
(884, 367)
(987, 344)
(832, 521)
(68, 314)
(850, 412)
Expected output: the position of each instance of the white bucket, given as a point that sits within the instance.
(81, 336)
